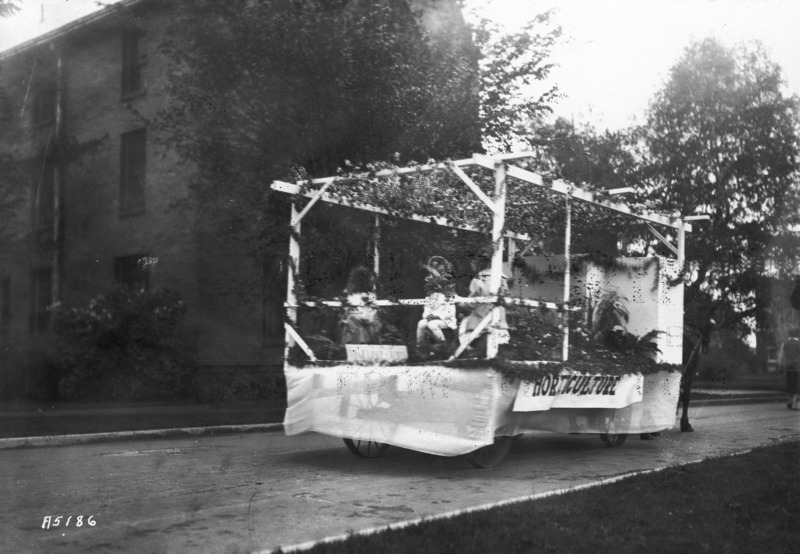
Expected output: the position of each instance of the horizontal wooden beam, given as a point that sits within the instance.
(427, 168)
(290, 188)
(562, 187)
(490, 162)
(459, 300)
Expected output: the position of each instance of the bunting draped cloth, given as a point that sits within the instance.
(448, 411)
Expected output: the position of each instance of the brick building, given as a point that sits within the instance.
(101, 209)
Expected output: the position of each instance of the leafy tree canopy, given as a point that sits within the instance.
(260, 87)
(264, 87)
(593, 160)
(514, 67)
(8, 7)
(721, 138)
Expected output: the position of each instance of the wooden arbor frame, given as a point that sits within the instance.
(503, 170)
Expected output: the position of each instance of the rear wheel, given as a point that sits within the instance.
(613, 439)
(366, 449)
(491, 455)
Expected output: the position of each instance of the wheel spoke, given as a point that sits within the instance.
(366, 448)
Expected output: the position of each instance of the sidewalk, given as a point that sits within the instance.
(27, 425)
(59, 424)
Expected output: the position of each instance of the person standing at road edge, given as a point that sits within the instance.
(789, 362)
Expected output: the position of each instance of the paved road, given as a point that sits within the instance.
(247, 492)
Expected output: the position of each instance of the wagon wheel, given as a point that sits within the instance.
(366, 449)
(373, 423)
(491, 455)
(613, 439)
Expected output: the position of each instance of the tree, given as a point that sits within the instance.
(596, 161)
(513, 68)
(8, 7)
(721, 138)
(583, 156)
(263, 88)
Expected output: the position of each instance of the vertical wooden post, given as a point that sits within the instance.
(567, 275)
(496, 279)
(291, 272)
(512, 252)
(681, 241)
(376, 253)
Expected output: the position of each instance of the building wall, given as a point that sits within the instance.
(774, 320)
(183, 254)
(95, 230)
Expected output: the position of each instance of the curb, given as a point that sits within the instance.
(185, 432)
(765, 399)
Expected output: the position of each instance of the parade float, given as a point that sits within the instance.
(548, 341)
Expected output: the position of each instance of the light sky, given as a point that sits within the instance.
(615, 55)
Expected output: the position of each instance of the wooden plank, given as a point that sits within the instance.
(426, 168)
(314, 199)
(300, 342)
(587, 196)
(290, 188)
(513, 301)
(663, 239)
(472, 336)
(482, 196)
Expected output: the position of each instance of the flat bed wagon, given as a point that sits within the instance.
(475, 407)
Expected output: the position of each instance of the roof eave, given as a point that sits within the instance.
(64, 30)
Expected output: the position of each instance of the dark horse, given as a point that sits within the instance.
(697, 327)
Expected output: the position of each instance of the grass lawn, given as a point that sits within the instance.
(747, 503)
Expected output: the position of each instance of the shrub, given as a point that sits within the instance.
(125, 345)
(30, 370)
(724, 363)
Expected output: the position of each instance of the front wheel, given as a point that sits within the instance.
(613, 439)
(491, 455)
(366, 449)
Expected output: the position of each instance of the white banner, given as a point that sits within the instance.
(448, 411)
(577, 390)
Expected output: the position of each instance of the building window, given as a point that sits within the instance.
(5, 303)
(44, 106)
(133, 271)
(43, 209)
(131, 64)
(41, 281)
(132, 172)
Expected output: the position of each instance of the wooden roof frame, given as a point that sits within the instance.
(502, 171)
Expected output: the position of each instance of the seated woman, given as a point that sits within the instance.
(361, 324)
(479, 286)
(439, 313)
